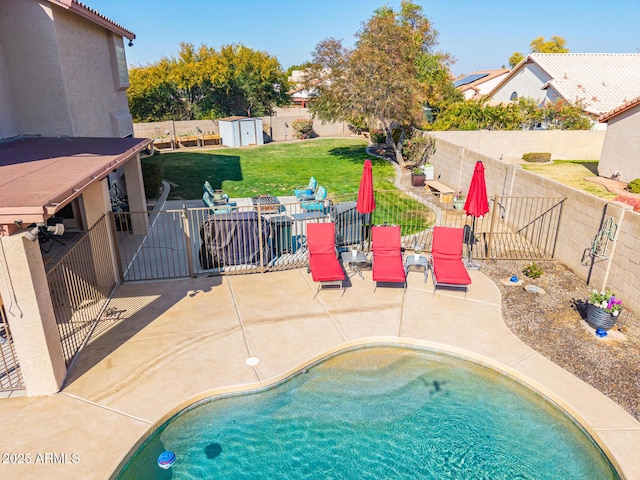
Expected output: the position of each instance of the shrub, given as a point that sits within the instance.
(533, 270)
(152, 173)
(634, 186)
(536, 157)
(418, 149)
(302, 128)
(378, 136)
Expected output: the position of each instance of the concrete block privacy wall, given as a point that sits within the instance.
(562, 144)
(158, 130)
(583, 215)
(275, 128)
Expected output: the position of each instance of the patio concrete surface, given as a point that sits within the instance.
(171, 343)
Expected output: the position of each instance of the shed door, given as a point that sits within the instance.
(247, 133)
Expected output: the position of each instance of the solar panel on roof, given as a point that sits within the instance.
(469, 78)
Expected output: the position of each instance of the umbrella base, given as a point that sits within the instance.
(471, 265)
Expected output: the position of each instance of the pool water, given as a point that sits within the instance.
(377, 413)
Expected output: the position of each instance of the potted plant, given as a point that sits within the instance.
(603, 309)
(417, 150)
(458, 201)
(418, 177)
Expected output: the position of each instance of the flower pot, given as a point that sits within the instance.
(417, 180)
(598, 318)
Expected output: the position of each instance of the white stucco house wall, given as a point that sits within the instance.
(64, 123)
(602, 81)
(63, 71)
(620, 158)
(479, 83)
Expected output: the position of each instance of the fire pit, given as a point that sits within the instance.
(268, 203)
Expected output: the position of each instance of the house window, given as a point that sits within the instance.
(514, 96)
(118, 62)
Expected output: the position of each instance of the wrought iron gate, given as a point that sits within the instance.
(10, 376)
(80, 284)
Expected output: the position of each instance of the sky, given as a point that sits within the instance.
(481, 35)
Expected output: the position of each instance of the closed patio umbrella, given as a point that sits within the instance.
(366, 203)
(476, 205)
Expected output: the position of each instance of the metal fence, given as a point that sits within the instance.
(258, 238)
(518, 228)
(80, 284)
(10, 375)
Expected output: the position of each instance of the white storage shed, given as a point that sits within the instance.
(240, 131)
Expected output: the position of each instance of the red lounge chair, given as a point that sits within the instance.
(446, 259)
(323, 256)
(387, 255)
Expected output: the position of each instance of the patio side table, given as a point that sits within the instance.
(352, 262)
(416, 261)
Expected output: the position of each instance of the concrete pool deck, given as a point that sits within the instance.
(170, 343)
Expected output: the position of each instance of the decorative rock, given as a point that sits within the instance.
(535, 289)
(507, 282)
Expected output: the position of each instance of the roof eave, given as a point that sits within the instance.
(605, 117)
(94, 16)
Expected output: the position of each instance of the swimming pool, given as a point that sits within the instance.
(377, 412)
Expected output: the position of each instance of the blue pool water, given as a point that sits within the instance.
(377, 413)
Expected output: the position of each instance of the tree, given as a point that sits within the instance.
(204, 83)
(382, 81)
(153, 96)
(538, 45)
(523, 114)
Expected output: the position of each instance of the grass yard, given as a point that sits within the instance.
(572, 173)
(275, 168)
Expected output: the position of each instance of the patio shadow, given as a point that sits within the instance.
(128, 313)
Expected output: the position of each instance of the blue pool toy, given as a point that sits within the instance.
(601, 333)
(166, 459)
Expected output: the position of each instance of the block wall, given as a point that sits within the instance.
(583, 216)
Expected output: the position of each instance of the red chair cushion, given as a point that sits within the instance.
(387, 254)
(323, 263)
(325, 268)
(451, 272)
(447, 242)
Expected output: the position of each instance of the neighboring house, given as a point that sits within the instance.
(478, 84)
(300, 96)
(620, 157)
(602, 81)
(64, 123)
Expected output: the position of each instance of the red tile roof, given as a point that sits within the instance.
(89, 13)
(40, 175)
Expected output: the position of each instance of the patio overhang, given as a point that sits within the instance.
(40, 175)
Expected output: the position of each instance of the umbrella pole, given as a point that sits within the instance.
(470, 264)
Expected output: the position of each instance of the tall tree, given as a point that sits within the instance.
(538, 45)
(153, 96)
(382, 80)
(204, 83)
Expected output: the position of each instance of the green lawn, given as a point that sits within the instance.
(276, 168)
(572, 173)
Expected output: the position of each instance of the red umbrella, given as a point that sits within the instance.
(477, 205)
(366, 201)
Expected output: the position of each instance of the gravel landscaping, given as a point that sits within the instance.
(553, 324)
